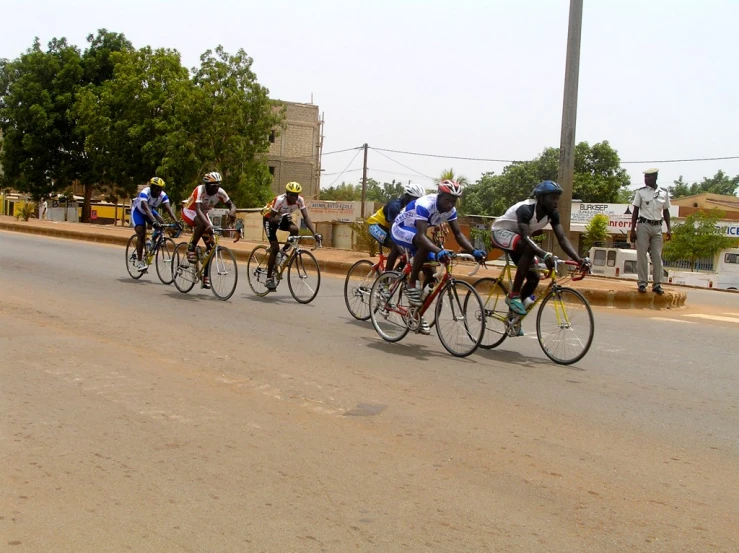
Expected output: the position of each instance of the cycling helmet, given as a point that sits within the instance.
(414, 190)
(450, 187)
(546, 187)
(212, 178)
(293, 187)
(156, 181)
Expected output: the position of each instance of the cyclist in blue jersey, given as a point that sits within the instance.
(409, 231)
(143, 211)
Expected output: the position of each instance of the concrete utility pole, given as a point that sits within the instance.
(364, 180)
(569, 114)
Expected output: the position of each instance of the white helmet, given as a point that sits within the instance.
(414, 190)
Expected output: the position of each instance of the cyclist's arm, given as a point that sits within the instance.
(308, 222)
(565, 243)
(169, 210)
(231, 209)
(146, 210)
(461, 238)
(525, 231)
(423, 241)
(202, 216)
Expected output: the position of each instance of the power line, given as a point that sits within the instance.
(345, 168)
(409, 168)
(339, 172)
(683, 160)
(371, 169)
(323, 154)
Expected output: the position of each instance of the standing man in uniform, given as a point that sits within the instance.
(651, 206)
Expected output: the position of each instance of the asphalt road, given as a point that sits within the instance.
(138, 418)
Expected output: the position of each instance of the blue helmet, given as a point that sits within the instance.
(546, 187)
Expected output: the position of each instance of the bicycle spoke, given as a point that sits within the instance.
(565, 326)
(459, 324)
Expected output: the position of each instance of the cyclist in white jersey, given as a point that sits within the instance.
(410, 226)
(144, 210)
(513, 230)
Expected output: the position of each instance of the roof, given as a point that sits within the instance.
(708, 200)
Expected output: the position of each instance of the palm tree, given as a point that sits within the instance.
(448, 174)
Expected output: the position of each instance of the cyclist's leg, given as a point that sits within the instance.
(522, 256)
(393, 253)
(139, 228)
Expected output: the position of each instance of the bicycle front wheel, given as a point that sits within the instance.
(131, 258)
(164, 259)
(223, 273)
(389, 310)
(495, 311)
(303, 277)
(256, 270)
(357, 287)
(565, 326)
(459, 323)
(183, 272)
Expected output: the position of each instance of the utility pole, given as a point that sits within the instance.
(364, 180)
(569, 115)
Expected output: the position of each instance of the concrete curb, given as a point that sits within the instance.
(618, 299)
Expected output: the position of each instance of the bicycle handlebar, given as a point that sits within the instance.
(238, 230)
(296, 239)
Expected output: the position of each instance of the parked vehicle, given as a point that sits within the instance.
(617, 263)
(726, 276)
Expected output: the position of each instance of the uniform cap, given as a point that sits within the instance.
(652, 171)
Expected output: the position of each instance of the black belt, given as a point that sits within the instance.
(649, 221)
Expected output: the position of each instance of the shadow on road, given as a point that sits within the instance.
(140, 282)
(413, 351)
(517, 358)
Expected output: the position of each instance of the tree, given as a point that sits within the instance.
(384, 192)
(449, 174)
(697, 237)
(229, 117)
(342, 193)
(596, 230)
(598, 178)
(720, 183)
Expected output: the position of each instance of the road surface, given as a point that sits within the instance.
(136, 418)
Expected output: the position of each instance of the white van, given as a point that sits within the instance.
(726, 277)
(616, 263)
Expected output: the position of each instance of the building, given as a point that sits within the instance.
(295, 152)
(706, 202)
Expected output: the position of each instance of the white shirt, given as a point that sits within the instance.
(424, 209)
(145, 196)
(280, 205)
(523, 212)
(206, 201)
(651, 202)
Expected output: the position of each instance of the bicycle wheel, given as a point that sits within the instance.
(458, 322)
(256, 270)
(357, 288)
(388, 308)
(165, 256)
(223, 273)
(493, 294)
(565, 326)
(132, 259)
(303, 276)
(184, 272)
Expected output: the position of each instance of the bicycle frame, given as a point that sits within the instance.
(217, 232)
(294, 250)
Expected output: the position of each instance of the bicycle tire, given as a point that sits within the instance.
(298, 276)
(461, 335)
(383, 308)
(132, 258)
(183, 274)
(566, 300)
(256, 270)
(164, 260)
(357, 287)
(493, 293)
(225, 265)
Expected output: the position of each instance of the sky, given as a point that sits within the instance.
(480, 79)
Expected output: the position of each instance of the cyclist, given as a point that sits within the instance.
(195, 214)
(409, 231)
(512, 233)
(381, 221)
(278, 215)
(144, 211)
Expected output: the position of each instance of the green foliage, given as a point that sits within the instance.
(376, 192)
(26, 211)
(449, 174)
(342, 193)
(697, 237)
(598, 178)
(720, 183)
(365, 241)
(595, 231)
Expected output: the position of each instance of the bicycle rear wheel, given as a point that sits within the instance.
(164, 259)
(256, 270)
(132, 258)
(458, 318)
(357, 287)
(303, 277)
(223, 273)
(184, 272)
(388, 308)
(493, 294)
(565, 326)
